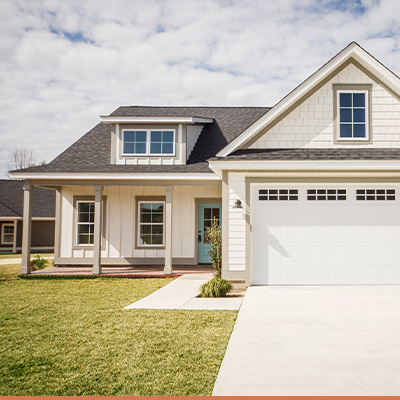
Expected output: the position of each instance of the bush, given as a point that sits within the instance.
(38, 263)
(216, 287)
(215, 239)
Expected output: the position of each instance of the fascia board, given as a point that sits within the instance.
(112, 176)
(294, 165)
(158, 120)
(353, 50)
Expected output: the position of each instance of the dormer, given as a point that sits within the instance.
(153, 140)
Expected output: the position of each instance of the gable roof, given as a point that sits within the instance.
(353, 53)
(91, 153)
(12, 200)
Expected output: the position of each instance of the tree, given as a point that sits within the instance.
(22, 158)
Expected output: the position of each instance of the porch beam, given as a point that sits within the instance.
(27, 230)
(98, 222)
(168, 230)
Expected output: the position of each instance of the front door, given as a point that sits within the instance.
(206, 214)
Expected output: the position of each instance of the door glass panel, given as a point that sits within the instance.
(207, 213)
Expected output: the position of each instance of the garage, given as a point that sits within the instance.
(325, 234)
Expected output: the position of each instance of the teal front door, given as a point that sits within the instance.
(206, 214)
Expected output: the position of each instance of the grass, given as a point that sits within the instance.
(73, 338)
(18, 255)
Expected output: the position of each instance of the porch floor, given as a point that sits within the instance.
(145, 271)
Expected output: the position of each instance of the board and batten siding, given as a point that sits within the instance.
(237, 223)
(310, 125)
(121, 225)
(193, 133)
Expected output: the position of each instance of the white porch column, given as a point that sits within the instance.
(168, 230)
(15, 236)
(57, 231)
(27, 230)
(98, 222)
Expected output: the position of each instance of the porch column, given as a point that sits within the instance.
(27, 230)
(98, 222)
(15, 236)
(168, 230)
(57, 231)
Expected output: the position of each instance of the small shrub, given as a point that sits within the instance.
(215, 239)
(38, 263)
(216, 287)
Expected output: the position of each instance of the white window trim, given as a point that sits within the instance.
(148, 137)
(140, 245)
(2, 234)
(367, 117)
(82, 223)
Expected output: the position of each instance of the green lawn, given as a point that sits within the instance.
(72, 337)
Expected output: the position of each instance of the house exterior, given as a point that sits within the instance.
(307, 192)
(11, 217)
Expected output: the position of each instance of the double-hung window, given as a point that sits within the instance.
(352, 115)
(151, 223)
(7, 234)
(143, 142)
(85, 222)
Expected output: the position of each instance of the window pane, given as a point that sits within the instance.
(141, 136)
(157, 239)
(345, 115)
(155, 136)
(155, 148)
(86, 212)
(359, 115)
(215, 213)
(145, 239)
(140, 148)
(129, 148)
(157, 229)
(145, 207)
(359, 130)
(145, 229)
(167, 148)
(345, 130)
(158, 207)
(7, 238)
(207, 213)
(358, 100)
(168, 136)
(129, 136)
(157, 217)
(144, 217)
(345, 100)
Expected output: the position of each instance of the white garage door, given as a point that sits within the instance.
(325, 234)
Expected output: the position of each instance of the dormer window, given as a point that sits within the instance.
(148, 142)
(352, 113)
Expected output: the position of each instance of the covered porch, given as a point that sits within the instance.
(115, 244)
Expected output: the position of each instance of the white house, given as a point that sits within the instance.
(307, 192)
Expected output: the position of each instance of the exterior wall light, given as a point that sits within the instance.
(238, 204)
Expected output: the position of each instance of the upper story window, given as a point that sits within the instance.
(352, 115)
(148, 142)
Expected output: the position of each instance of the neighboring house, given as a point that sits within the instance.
(11, 215)
(307, 192)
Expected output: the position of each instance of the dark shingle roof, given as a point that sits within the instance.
(312, 154)
(91, 153)
(11, 200)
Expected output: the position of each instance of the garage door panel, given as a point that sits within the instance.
(316, 242)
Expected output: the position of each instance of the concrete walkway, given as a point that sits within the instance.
(181, 294)
(314, 341)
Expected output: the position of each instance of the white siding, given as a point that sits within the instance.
(237, 223)
(120, 220)
(310, 125)
(193, 133)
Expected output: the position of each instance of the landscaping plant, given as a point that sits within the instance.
(216, 287)
(38, 263)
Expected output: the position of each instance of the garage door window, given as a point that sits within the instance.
(376, 194)
(278, 194)
(326, 194)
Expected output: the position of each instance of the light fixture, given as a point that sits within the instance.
(238, 204)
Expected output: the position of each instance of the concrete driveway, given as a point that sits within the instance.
(314, 340)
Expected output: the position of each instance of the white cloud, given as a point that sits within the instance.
(170, 52)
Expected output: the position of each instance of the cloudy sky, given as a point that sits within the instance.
(65, 62)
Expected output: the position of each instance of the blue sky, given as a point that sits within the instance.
(64, 63)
